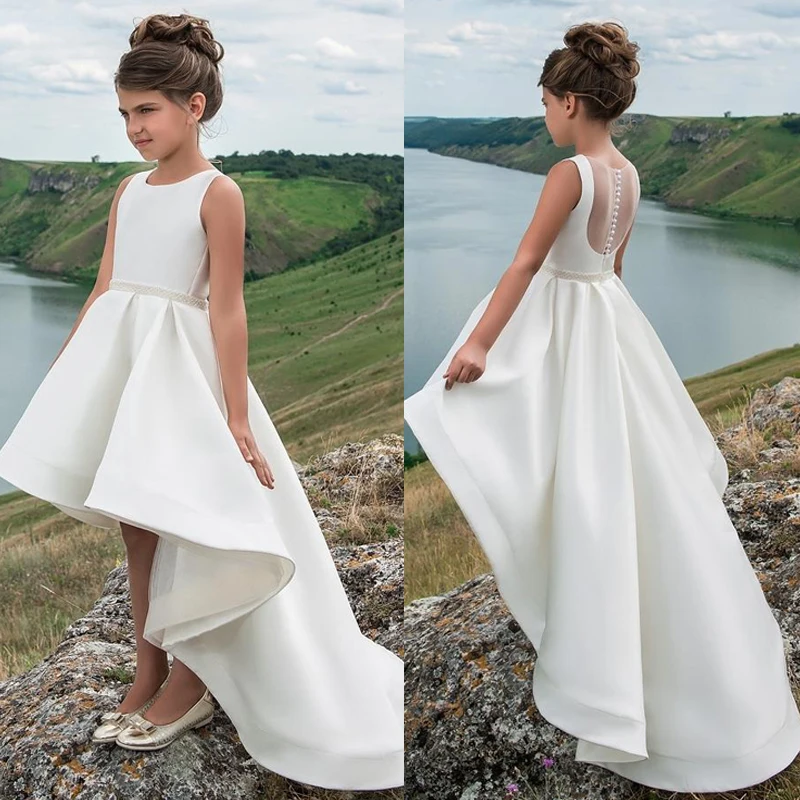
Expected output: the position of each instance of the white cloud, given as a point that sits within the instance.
(436, 49)
(72, 76)
(476, 31)
(334, 55)
(243, 61)
(56, 74)
(696, 59)
(724, 45)
(16, 34)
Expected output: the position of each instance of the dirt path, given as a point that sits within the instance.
(382, 307)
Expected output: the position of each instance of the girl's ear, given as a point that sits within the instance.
(197, 104)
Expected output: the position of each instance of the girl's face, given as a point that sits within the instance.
(155, 125)
(559, 116)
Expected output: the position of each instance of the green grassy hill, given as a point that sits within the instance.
(725, 166)
(326, 347)
(54, 216)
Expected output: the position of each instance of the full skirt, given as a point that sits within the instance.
(594, 487)
(129, 425)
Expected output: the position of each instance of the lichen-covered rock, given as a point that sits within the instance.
(472, 726)
(47, 715)
(357, 471)
(778, 402)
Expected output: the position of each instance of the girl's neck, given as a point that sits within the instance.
(177, 168)
(599, 147)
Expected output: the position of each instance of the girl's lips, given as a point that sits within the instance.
(143, 142)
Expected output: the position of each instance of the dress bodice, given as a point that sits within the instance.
(601, 220)
(160, 239)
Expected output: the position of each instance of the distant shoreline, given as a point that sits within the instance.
(739, 168)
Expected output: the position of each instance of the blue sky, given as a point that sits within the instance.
(313, 76)
(484, 57)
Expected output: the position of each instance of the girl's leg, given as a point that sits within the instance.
(184, 688)
(151, 661)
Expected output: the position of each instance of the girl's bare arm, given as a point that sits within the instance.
(106, 264)
(560, 194)
(223, 217)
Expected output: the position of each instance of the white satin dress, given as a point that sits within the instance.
(594, 487)
(130, 425)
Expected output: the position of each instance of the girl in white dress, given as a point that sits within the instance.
(569, 441)
(147, 423)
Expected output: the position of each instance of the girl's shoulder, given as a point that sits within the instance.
(221, 188)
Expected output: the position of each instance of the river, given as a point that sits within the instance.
(716, 291)
(37, 313)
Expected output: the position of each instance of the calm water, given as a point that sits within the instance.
(36, 315)
(715, 291)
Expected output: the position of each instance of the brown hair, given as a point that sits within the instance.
(176, 55)
(598, 64)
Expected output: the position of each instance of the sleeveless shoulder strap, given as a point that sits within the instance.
(204, 182)
(587, 184)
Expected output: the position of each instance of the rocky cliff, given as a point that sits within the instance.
(62, 181)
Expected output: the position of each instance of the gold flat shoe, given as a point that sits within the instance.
(141, 734)
(112, 722)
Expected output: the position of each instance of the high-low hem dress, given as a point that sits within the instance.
(594, 487)
(130, 425)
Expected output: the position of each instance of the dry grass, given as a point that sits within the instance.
(52, 570)
(743, 443)
(441, 550)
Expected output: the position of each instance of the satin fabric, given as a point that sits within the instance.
(130, 425)
(594, 487)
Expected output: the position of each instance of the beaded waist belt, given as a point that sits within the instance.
(604, 275)
(147, 288)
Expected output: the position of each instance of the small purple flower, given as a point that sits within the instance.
(548, 762)
(512, 789)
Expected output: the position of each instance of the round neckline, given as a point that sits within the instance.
(174, 183)
(607, 166)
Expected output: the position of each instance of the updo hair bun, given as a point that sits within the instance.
(598, 65)
(606, 44)
(177, 56)
(182, 29)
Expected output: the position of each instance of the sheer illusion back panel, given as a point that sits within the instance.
(614, 203)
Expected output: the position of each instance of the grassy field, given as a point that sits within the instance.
(326, 347)
(726, 391)
(326, 355)
(287, 218)
(442, 552)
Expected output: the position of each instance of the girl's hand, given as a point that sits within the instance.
(249, 449)
(467, 365)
